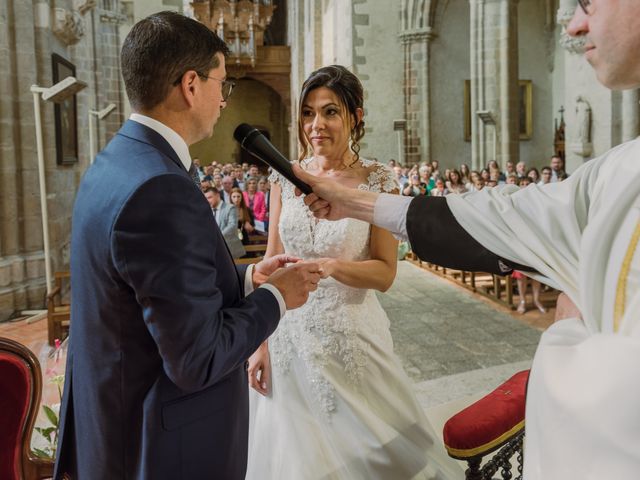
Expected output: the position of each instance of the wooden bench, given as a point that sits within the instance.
(495, 287)
(58, 308)
(258, 239)
(259, 248)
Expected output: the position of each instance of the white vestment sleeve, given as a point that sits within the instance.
(538, 226)
(390, 213)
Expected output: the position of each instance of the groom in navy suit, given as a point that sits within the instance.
(162, 321)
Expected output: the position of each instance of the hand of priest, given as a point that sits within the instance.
(327, 199)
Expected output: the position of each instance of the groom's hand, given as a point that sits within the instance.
(266, 267)
(295, 282)
(327, 198)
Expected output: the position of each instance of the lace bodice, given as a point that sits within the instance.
(304, 236)
(329, 324)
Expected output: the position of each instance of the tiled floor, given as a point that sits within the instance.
(32, 335)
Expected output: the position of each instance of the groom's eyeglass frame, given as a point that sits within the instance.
(227, 85)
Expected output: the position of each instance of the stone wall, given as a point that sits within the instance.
(378, 63)
(27, 42)
(536, 49)
(450, 68)
(320, 32)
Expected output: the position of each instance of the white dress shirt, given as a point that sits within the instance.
(182, 150)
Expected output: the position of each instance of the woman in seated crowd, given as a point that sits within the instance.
(533, 174)
(455, 183)
(465, 173)
(255, 201)
(245, 217)
(426, 177)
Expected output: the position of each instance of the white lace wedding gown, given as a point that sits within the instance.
(341, 407)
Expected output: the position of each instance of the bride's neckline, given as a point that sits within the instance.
(363, 162)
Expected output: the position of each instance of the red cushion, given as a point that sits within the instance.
(15, 396)
(489, 422)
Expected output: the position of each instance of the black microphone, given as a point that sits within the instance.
(257, 145)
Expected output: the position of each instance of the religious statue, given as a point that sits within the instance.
(583, 121)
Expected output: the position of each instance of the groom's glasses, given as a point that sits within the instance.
(227, 85)
(585, 5)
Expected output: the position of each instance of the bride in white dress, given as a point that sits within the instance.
(331, 399)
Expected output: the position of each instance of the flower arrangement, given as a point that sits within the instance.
(50, 432)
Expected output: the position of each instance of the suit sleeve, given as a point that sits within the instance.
(163, 250)
(437, 237)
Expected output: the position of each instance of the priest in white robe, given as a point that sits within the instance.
(581, 236)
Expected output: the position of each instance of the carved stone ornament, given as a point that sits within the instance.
(68, 26)
(83, 6)
(417, 36)
(571, 44)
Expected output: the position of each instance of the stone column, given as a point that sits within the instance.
(424, 43)
(494, 81)
(296, 32)
(630, 114)
(417, 101)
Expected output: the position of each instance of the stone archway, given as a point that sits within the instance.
(254, 102)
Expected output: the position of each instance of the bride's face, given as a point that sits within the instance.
(323, 123)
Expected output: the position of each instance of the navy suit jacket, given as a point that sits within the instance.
(156, 384)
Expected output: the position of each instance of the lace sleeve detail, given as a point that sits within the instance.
(274, 176)
(382, 179)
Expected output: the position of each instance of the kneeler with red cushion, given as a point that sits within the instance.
(495, 422)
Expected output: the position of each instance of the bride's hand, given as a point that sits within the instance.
(328, 266)
(260, 370)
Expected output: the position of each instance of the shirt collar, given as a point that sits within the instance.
(175, 141)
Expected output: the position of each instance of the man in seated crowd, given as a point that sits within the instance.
(227, 219)
(218, 190)
(545, 176)
(557, 169)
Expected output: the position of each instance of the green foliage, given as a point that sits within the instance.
(51, 415)
(45, 454)
(50, 434)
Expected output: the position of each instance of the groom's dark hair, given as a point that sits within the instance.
(159, 50)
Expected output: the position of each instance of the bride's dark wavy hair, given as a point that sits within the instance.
(349, 91)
